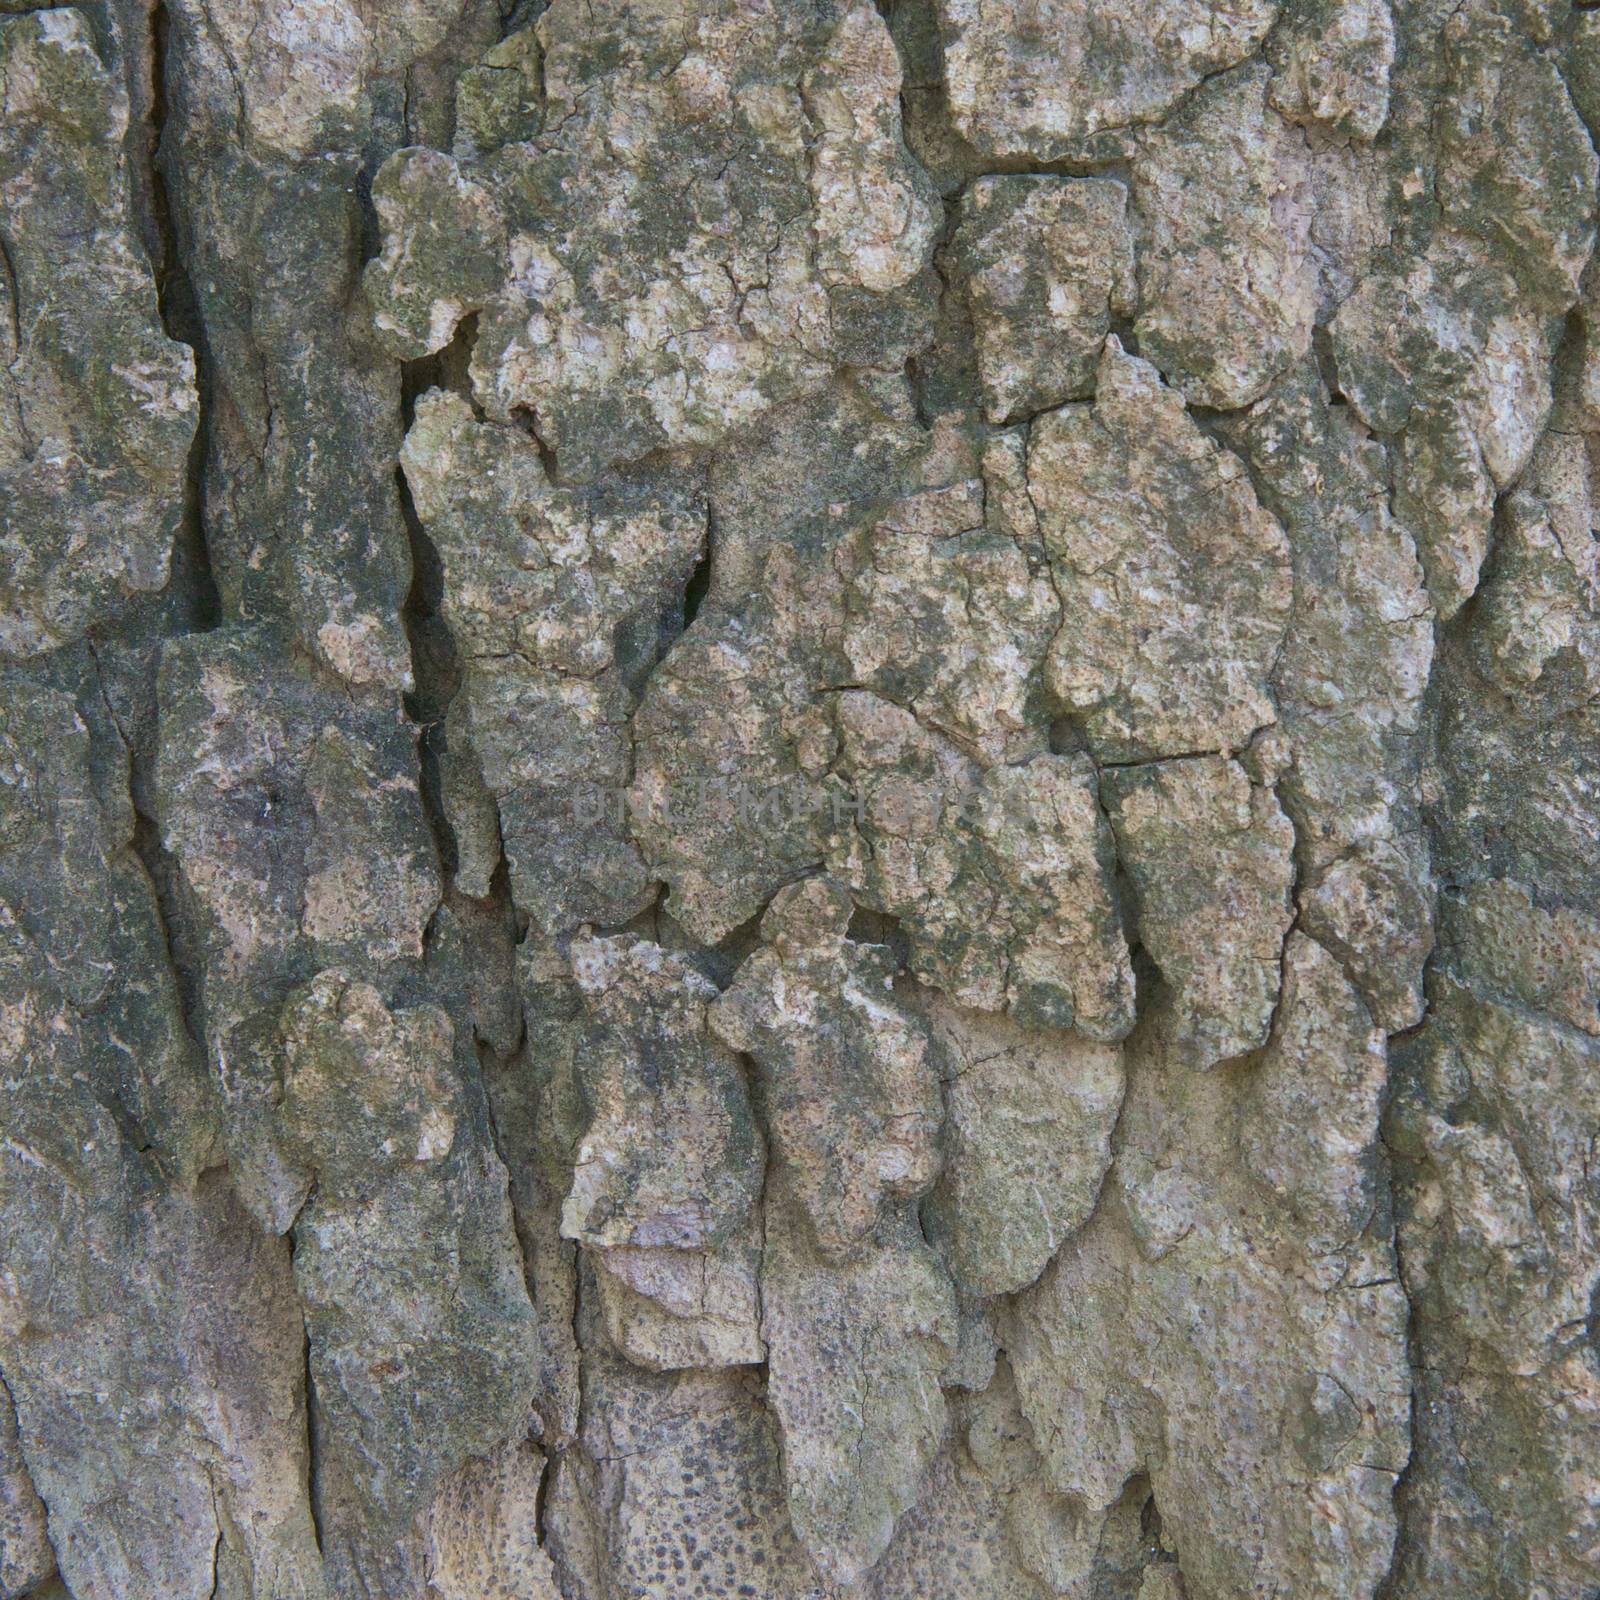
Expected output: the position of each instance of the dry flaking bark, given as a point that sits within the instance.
(799, 800)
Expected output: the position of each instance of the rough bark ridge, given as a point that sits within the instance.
(799, 799)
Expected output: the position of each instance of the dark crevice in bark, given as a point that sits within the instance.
(313, 1450)
(541, 1502)
(1327, 362)
(371, 240)
(183, 957)
(184, 960)
(521, 14)
(1387, 1586)
(435, 661)
(216, 1546)
(451, 368)
(879, 927)
(1404, 1040)
(694, 591)
(179, 308)
(174, 292)
(8, 266)
(527, 419)
(952, 310)
(1067, 737)
(1450, 651)
(574, 1256)
(489, 928)
(313, 1441)
(1122, 329)
(722, 960)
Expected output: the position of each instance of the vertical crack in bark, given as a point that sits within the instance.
(180, 316)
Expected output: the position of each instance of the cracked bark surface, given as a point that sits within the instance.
(799, 800)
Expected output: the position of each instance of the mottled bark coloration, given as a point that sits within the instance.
(799, 800)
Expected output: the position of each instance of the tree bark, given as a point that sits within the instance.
(799, 800)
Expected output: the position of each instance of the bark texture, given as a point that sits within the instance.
(799, 800)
